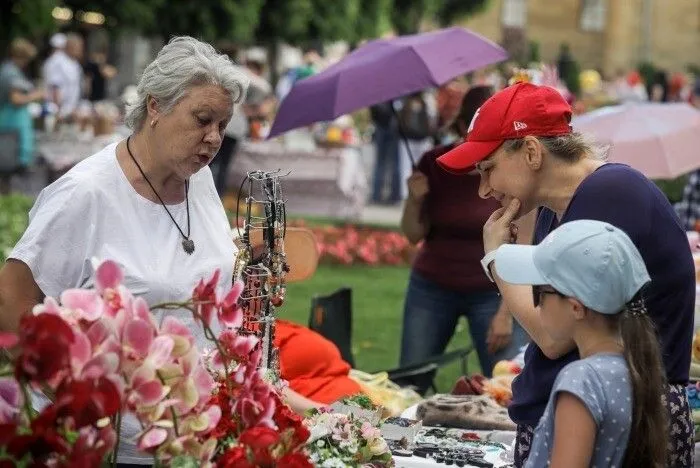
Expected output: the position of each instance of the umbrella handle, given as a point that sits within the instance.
(403, 137)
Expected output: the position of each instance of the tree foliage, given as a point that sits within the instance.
(373, 20)
(242, 21)
(408, 15)
(27, 18)
(286, 20)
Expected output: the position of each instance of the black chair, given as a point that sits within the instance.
(331, 316)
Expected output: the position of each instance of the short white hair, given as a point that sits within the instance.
(182, 63)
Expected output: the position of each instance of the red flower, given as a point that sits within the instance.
(235, 457)
(43, 441)
(91, 447)
(204, 296)
(45, 341)
(260, 439)
(286, 419)
(88, 401)
(294, 460)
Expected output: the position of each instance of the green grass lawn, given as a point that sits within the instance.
(378, 294)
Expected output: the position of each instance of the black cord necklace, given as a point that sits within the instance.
(187, 243)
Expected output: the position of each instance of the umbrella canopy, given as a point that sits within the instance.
(382, 70)
(661, 140)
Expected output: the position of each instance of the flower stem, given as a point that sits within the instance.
(172, 409)
(27, 400)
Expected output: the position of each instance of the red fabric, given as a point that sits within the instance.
(452, 251)
(517, 111)
(312, 365)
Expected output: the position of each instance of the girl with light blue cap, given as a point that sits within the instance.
(606, 409)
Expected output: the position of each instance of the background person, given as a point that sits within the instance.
(444, 212)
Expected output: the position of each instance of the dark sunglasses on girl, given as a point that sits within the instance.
(539, 290)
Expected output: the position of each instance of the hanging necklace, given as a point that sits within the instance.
(187, 243)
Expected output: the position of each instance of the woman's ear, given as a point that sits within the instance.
(533, 153)
(152, 107)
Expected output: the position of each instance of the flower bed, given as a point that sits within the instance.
(353, 244)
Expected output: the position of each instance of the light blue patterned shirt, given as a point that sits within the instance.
(602, 383)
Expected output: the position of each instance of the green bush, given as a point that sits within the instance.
(673, 188)
(14, 217)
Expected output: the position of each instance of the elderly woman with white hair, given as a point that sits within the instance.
(148, 202)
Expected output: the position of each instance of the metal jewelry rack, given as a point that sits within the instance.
(263, 268)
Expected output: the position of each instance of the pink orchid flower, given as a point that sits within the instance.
(8, 340)
(83, 304)
(204, 295)
(152, 438)
(230, 313)
(181, 335)
(10, 400)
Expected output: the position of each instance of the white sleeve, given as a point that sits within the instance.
(60, 235)
(53, 73)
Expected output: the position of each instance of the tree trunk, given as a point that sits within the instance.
(272, 60)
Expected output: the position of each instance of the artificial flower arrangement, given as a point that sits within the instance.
(361, 407)
(341, 440)
(100, 355)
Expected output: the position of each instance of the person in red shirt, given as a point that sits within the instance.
(312, 364)
(447, 282)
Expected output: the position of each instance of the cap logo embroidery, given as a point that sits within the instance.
(471, 124)
(517, 125)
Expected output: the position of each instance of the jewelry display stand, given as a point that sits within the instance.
(263, 268)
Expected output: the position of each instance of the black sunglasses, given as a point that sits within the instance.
(538, 291)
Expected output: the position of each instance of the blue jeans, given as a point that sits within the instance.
(386, 143)
(430, 316)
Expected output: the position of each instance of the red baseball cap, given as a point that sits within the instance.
(519, 110)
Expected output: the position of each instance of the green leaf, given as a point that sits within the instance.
(182, 461)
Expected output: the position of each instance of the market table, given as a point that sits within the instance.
(321, 182)
(61, 151)
(499, 458)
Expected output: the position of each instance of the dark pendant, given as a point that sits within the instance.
(188, 245)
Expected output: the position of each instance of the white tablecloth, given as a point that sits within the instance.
(323, 182)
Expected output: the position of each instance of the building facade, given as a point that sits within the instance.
(608, 35)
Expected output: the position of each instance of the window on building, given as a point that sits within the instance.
(593, 13)
(514, 13)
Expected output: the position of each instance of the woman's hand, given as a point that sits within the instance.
(38, 94)
(500, 330)
(499, 228)
(418, 186)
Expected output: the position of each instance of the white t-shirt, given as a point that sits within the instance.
(66, 74)
(94, 211)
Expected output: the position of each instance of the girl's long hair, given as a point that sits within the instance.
(648, 437)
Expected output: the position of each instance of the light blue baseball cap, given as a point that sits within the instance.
(592, 261)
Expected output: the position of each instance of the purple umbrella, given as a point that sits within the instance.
(382, 70)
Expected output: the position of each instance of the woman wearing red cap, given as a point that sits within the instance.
(446, 281)
(530, 160)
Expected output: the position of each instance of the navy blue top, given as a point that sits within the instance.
(623, 197)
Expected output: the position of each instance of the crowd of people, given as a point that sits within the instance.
(599, 386)
(70, 83)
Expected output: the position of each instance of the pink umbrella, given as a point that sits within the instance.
(660, 140)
